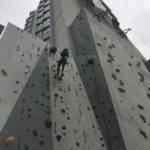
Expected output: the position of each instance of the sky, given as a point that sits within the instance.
(132, 14)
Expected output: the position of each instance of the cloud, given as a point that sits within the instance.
(16, 11)
(130, 13)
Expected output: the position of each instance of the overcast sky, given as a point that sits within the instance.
(132, 14)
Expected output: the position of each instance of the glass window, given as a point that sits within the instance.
(39, 34)
(46, 3)
(40, 14)
(46, 30)
(47, 39)
(39, 19)
(46, 22)
(47, 14)
(39, 26)
(47, 7)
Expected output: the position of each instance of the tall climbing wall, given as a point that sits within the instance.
(116, 80)
(93, 78)
(47, 113)
(128, 81)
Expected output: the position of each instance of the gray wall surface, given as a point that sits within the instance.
(124, 75)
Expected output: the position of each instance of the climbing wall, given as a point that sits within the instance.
(111, 64)
(93, 78)
(74, 123)
(128, 81)
(25, 99)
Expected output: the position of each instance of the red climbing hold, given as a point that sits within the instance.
(4, 72)
(78, 144)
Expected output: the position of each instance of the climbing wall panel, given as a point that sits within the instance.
(74, 123)
(30, 119)
(93, 78)
(18, 55)
(128, 81)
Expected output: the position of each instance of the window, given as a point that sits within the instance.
(39, 34)
(46, 22)
(39, 19)
(47, 14)
(39, 26)
(46, 30)
(47, 39)
(40, 14)
(46, 3)
(47, 7)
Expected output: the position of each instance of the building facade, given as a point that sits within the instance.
(39, 21)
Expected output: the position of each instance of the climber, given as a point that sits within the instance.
(63, 61)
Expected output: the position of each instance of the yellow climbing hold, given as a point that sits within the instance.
(9, 140)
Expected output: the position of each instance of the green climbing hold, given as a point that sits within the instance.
(48, 123)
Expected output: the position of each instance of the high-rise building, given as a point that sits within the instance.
(39, 21)
(103, 101)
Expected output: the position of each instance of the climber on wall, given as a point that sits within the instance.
(62, 62)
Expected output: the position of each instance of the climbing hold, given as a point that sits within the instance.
(105, 38)
(48, 112)
(98, 44)
(110, 56)
(113, 45)
(148, 95)
(90, 61)
(68, 118)
(143, 118)
(121, 83)
(130, 64)
(41, 143)
(48, 123)
(88, 108)
(140, 106)
(114, 77)
(131, 56)
(4, 72)
(143, 133)
(26, 147)
(64, 127)
(121, 90)
(78, 144)
(109, 60)
(75, 131)
(138, 64)
(58, 137)
(17, 82)
(24, 100)
(35, 133)
(15, 91)
(56, 95)
(63, 111)
(117, 70)
(142, 77)
(110, 47)
(64, 134)
(9, 140)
